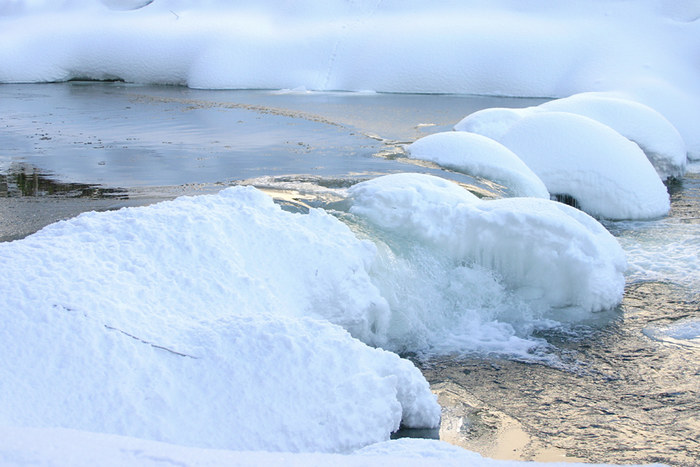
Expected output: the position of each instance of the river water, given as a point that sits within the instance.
(622, 387)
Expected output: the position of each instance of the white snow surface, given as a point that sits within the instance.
(203, 321)
(644, 48)
(608, 175)
(479, 156)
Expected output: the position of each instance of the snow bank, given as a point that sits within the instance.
(202, 321)
(546, 253)
(479, 156)
(608, 175)
(646, 49)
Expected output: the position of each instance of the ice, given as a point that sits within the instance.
(644, 50)
(203, 321)
(550, 255)
(608, 175)
(479, 156)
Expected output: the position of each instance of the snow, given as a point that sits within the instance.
(215, 321)
(655, 135)
(479, 156)
(608, 175)
(645, 49)
(183, 322)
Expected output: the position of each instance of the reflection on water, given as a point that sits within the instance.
(23, 180)
(628, 386)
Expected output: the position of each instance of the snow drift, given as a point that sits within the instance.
(203, 321)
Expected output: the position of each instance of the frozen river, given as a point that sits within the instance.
(621, 387)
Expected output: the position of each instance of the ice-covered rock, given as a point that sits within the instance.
(547, 253)
(608, 175)
(479, 156)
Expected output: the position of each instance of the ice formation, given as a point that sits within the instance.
(479, 156)
(655, 135)
(545, 252)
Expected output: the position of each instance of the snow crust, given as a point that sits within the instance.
(479, 156)
(203, 321)
(645, 49)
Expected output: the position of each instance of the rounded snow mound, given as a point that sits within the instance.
(655, 135)
(548, 254)
(608, 175)
(479, 156)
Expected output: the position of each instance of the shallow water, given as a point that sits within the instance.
(623, 387)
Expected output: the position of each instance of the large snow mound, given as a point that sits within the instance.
(647, 48)
(202, 321)
(546, 253)
(655, 135)
(479, 156)
(607, 174)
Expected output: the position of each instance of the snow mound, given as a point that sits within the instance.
(479, 156)
(608, 175)
(655, 135)
(548, 254)
(202, 321)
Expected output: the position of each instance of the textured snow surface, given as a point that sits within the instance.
(202, 321)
